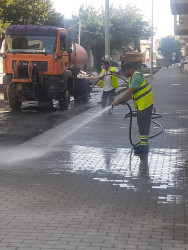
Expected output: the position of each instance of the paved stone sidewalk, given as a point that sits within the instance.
(78, 186)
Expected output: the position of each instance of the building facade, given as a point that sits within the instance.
(179, 8)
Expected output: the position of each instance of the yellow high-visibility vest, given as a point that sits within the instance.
(113, 77)
(143, 96)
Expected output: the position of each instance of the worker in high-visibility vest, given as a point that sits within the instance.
(142, 95)
(109, 82)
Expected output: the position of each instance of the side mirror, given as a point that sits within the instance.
(2, 55)
(55, 57)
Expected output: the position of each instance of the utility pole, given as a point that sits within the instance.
(79, 34)
(152, 40)
(107, 32)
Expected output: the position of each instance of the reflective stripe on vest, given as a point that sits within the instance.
(143, 96)
(113, 77)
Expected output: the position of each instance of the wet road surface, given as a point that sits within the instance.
(35, 118)
(79, 186)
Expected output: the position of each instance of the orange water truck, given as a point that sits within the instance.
(40, 63)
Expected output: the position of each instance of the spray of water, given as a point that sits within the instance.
(48, 141)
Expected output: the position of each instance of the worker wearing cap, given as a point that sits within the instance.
(142, 95)
(109, 82)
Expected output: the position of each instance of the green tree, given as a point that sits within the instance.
(126, 26)
(38, 12)
(92, 35)
(168, 45)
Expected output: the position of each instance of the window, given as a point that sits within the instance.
(31, 44)
(62, 42)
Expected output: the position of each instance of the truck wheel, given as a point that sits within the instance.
(86, 96)
(82, 91)
(14, 101)
(64, 101)
(5, 88)
(7, 78)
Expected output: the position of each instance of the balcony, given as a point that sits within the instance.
(179, 7)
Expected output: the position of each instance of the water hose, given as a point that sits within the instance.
(134, 113)
(111, 74)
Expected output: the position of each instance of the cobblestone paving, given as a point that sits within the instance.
(78, 186)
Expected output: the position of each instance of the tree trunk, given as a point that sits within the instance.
(97, 55)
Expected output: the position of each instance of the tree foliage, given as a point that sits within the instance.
(92, 35)
(168, 45)
(126, 26)
(38, 12)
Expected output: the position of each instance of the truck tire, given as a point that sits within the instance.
(14, 101)
(5, 88)
(6, 81)
(86, 97)
(82, 91)
(64, 101)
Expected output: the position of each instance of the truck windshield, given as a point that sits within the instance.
(31, 44)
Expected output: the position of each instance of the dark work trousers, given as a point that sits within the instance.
(107, 94)
(144, 119)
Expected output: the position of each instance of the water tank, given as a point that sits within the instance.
(78, 57)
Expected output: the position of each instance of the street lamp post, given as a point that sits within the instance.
(79, 32)
(152, 40)
(107, 32)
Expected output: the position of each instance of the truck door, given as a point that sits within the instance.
(63, 43)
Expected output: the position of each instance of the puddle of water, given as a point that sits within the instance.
(176, 131)
(155, 174)
(56, 173)
(180, 111)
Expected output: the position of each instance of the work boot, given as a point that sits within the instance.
(141, 150)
